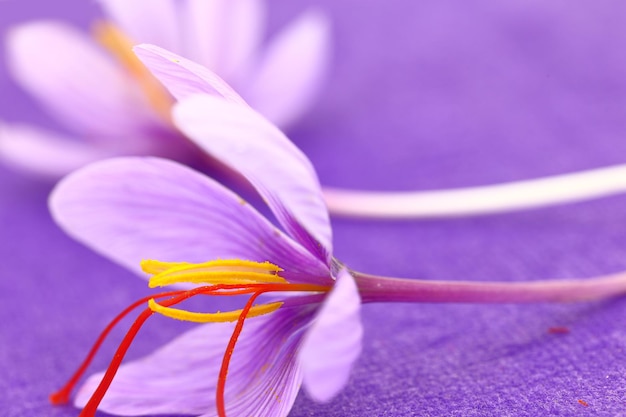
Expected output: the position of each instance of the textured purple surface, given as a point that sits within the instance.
(422, 95)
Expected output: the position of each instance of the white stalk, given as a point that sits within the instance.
(473, 201)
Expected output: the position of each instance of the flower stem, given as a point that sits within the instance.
(471, 201)
(383, 289)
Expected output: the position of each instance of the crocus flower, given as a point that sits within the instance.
(152, 208)
(250, 361)
(110, 105)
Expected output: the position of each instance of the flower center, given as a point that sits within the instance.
(216, 278)
(121, 48)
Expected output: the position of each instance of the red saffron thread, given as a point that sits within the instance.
(220, 402)
(94, 401)
(62, 396)
(221, 381)
(96, 398)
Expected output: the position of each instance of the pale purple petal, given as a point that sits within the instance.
(333, 343)
(76, 81)
(183, 77)
(241, 34)
(181, 377)
(223, 34)
(149, 21)
(292, 69)
(248, 143)
(202, 21)
(265, 377)
(129, 209)
(44, 153)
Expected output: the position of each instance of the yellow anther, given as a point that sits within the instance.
(121, 47)
(228, 316)
(214, 278)
(229, 271)
(153, 267)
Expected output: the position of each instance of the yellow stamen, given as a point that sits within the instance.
(121, 47)
(213, 278)
(152, 267)
(231, 271)
(228, 316)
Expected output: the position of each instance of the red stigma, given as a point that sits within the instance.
(176, 297)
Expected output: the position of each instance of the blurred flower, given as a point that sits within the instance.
(111, 105)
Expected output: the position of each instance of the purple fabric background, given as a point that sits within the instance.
(423, 95)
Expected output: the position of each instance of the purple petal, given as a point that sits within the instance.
(242, 34)
(183, 77)
(223, 35)
(292, 70)
(44, 153)
(146, 21)
(130, 209)
(264, 377)
(281, 173)
(333, 343)
(181, 377)
(76, 81)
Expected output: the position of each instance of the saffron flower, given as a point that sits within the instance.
(305, 328)
(158, 209)
(109, 104)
